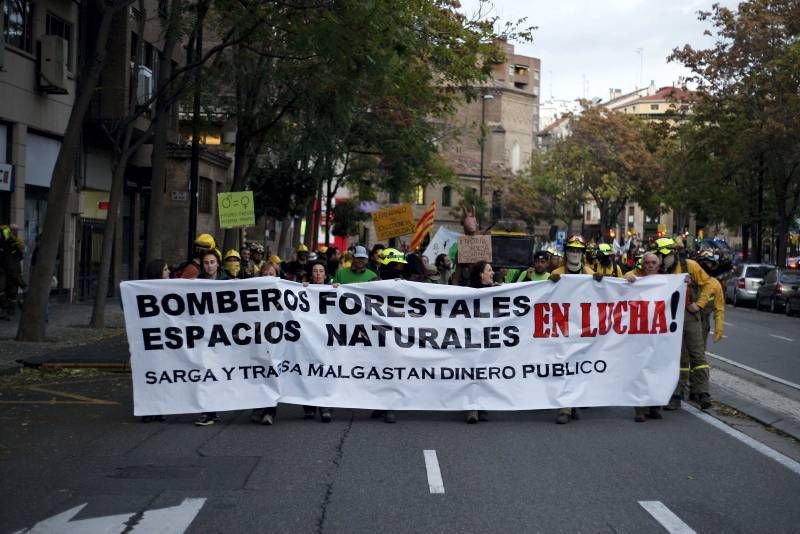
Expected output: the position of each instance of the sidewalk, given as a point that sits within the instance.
(69, 339)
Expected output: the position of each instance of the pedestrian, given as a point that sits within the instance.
(481, 276)
(374, 257)
(212, 270)
(651, 263)
(539, 270)
(606, 262)
(300, 267)
(444, 268)
(573, 264)
(245, 265)
(710, 264)
(194, 267)
(157, 269)
(357, 271)
(233, 266)
(319, 275)
(256, 258)
(266, 416)
(12, 249)
(332, 257)
(694, 370)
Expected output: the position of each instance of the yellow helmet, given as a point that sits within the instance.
(323, 249)
(665, 245)
(605, 249)
(576, 241)
(205, 241)
(233, 253)
(391, 255)
(302, 248)
(275, 259)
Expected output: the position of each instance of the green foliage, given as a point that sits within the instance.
(348, 219)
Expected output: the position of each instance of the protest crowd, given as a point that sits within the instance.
(663, 255)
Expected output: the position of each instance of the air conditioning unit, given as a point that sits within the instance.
(53, 64)
(144, 86)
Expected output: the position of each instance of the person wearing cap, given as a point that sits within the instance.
(232, 264)
(556, 258)
(694, 369)
(606, 263)
(256, 258)
(357, 272)
(193, 268)
(539, 270)
(573, 264)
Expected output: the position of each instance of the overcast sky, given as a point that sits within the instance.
(599, 41)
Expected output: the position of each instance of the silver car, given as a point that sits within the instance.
(741, 288)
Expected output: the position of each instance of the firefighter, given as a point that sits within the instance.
(573, 264)
(707, 260)
(256, 258)
(606, 263)
(694, 366)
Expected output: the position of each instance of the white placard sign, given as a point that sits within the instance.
(200, 345)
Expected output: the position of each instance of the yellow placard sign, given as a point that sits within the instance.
(236, 208)
(394, 221)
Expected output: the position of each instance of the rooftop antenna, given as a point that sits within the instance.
(640, 51)
(550, 73)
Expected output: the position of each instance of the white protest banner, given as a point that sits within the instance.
(200, 345)
(441, 243)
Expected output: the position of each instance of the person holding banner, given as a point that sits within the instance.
(651, 264)
(573, 264)
(211, 271)
(481, 275)
(319, 275)
(606, 263)
(233, 265)
(539, 270)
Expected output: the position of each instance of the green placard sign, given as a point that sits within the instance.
(236, 209)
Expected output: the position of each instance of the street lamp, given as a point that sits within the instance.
(484, 98)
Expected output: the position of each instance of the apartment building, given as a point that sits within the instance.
(43, 45)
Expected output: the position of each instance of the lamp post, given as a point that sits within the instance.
(484, 98)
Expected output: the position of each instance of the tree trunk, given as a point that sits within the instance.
(328, 208)
(114, 204)
(239, 167)
(283, 239)
(32, 323)
(159, 156)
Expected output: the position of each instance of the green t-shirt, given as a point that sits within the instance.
(347, 276)
(532, 278)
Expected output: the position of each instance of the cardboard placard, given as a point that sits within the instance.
(236, 208)
(472, 248)
(394, 221)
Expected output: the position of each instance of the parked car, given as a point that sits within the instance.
(793, 302)
(777, 285)
(742, 286)
(793, 263)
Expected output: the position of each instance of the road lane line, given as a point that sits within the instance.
(783, 338)
(728, 324)
(435, 482)
(744, 438)
(671, 522)
(754, 371)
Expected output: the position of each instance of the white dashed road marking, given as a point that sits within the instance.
(781, 337)
(671, 522)
(435, 482)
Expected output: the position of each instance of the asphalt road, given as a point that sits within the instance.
(768, 342)
(74, 442)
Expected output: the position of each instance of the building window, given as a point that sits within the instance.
(419, 195)
(18, 24)
(447, 193)
(55, 25)
(204, 195)
(515, 158)
(654, 107)
(652, 219)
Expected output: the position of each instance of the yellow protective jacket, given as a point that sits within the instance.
(719, 308)
(612, 270)
(704, 282)
(585, 269)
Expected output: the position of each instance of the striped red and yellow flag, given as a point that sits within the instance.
(424, 226)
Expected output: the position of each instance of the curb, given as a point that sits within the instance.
(765, 416)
